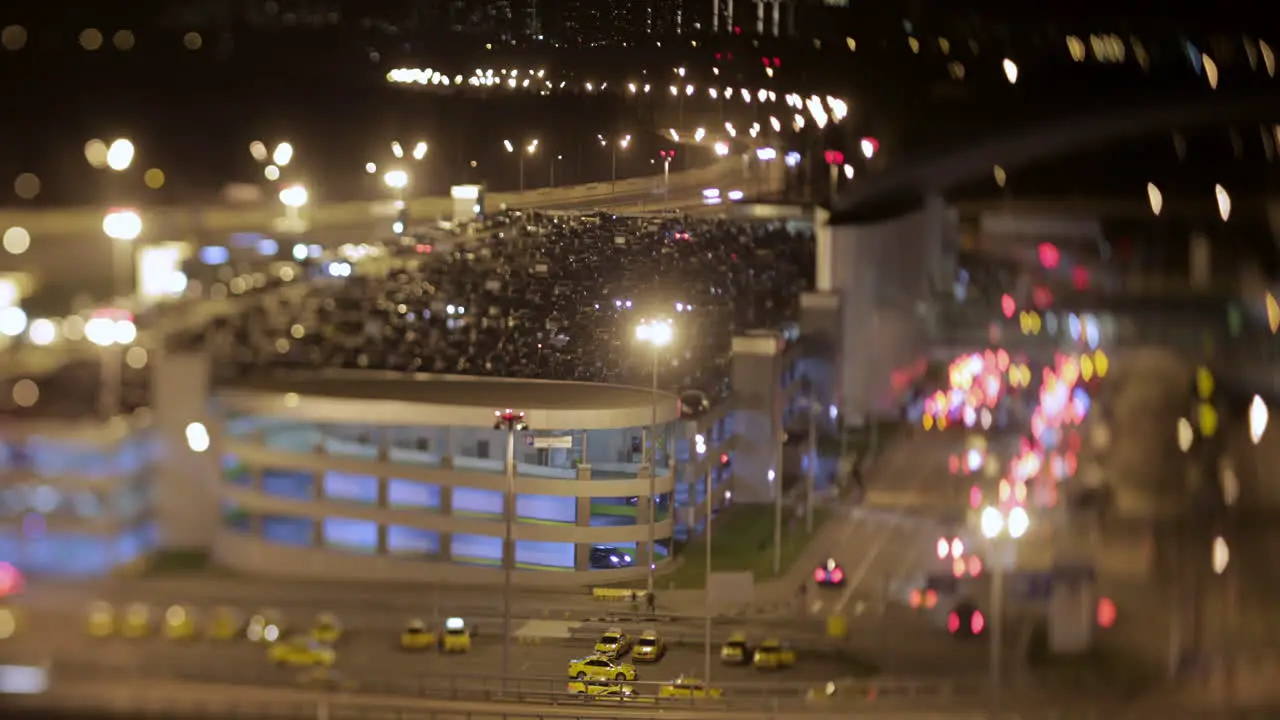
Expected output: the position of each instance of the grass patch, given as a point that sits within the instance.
(742, 539)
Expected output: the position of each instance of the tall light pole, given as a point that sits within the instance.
(111, 334)
(512, 422)
(122, 226)
(293, 197)
(529, 149)
(657, 334)
(621, 143)
(995, 526)
(706, 628)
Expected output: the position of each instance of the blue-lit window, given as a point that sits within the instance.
(412, 494)
(539, 554)
(295, 484)
(474, 501)
(547, 508)
(292, 438)
(403, 540)
(350, 534)
(285, 530)
(482, 549)
(349, 487)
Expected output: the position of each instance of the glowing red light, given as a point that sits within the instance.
(724, 458)
(777, 62)
(1080, 278)
(737, 30)
(975, 566)
(10, 580)
(930, 598)
(819, 574)
(953, 463)
(953, 623)
(916, 598)
(1106, 612)
(977, 622)
(764, 61)
(1007, 305)
(975, 497)
(1042, 297)
(1049, 255)
(837, 575)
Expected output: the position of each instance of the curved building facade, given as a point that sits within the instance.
(358, 477)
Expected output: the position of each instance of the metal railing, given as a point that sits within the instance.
(528, 691)
(225, 703)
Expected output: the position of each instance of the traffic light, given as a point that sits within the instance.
(833, 157)
(667, 154)
(869, 146)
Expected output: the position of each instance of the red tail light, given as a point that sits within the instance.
(931, 599)
(916, 598)
(953, 623)
(819, 574)
(837, 575)
(977, 622)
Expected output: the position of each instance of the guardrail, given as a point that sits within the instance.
(206, 699)
(541, 691)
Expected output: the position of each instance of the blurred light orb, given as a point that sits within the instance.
(120, 154)
(136, 357)
(154, 178)
(283, 154)
(192, 41)
(16, 240)
(13, 38)
(271, 172)
(42, 331)
(122, 225)
(197, 437)
(91, 39)
(258, 150)
(27, 186)
(123, 39)
(26, 393)
(95, 151)
(13, 321)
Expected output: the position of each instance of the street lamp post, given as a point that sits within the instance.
(122, 226)
(512, 422)
(293, 197)
(529, 149)
(995, 526)
(658, 334)
(706, 629)
(111, 335)
(622, 143)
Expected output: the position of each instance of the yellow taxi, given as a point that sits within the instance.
(457, 636)
(687, 687)
(136, 622)
(649, 647)
(735, 650)
(179, 623)
(417, 636)
(301, 651)
(266, 626)
(613, 643)
(773, 655)
(328, 628)
(600, 668)
(602, 690)
(102, 619)
(225, 623)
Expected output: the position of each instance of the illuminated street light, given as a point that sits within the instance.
(197, 437)
(420, 150)
(282, 155)
(124, 225)
(1010, 71)
(657, 334)
(996, 524)
(1186, 434)
(120, 155)
(1221, 555)
(294, 196)
(397, 179)
(1258, 417)
(722, 148)
(1224, 202)
(1156, 199)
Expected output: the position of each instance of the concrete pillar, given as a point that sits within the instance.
(582, 551)
(759, 17)
(644, 509)
(824, 261)
(383, 486)
(446, 449)
(185, 484)
(715, 16)
(757, 422)
(777, 6)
